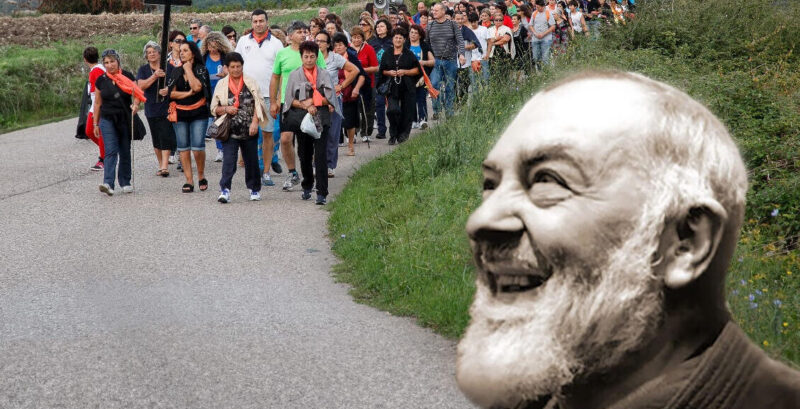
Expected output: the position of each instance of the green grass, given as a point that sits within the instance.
(40, 85)
(398, 226)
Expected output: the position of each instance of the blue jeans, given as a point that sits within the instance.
(380, 113)
(276, 138)
(422, 104)
(444, 71)
(333, 140)
(117, 147)
(541, 49)
(191, 135)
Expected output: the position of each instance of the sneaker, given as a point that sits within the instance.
(291, 180)
(341, 144)
(127, 189)
(97, 166)
(255, 196)
(365, 138)
(218, 158)
(224, 196)
(415, 125)
(321, 200)
(106, 188)
(435, 116)
(180, 167)
(331, 173)
(423, 124)
(276, 167)
(172, 160)
(266, 180)
(306, 195)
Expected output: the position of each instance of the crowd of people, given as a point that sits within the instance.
(265, 83)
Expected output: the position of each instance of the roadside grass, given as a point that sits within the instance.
(398, 227)
(40, 85)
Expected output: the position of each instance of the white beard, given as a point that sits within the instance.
(581, 321)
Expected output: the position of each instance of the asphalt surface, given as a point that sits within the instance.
(161, 299)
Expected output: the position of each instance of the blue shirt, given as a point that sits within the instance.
(214, 68)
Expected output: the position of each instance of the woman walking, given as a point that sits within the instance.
(381, 43)
(149, 77)
(117, 99)
(214, 48)
(349, 90)
(239, 97)
(309, 89)
(190, 91)
(422, 50)
(401, 68)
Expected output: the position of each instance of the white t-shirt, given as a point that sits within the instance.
(483, 35)
(259, 60)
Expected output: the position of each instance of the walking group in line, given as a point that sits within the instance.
(347, 82)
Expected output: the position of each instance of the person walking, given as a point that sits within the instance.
(96, 70)
(259, 49)
(349, 90)
(381, 43)
(309, 89)
(117, 99)
(286, 61)
(401, 69)
(215, 47)
(369, 63)
(448, 47)
(239, 97)
(422, 50)
(190, 91)
(543, 24)
(148, 78)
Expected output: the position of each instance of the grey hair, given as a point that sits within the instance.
(688, 151)
(196, 21)
(206, 29)
(296, 25)
(111, 53)
(151, 44)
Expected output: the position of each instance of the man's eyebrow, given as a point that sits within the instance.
(550, 153)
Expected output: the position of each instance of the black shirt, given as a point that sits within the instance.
(153, 108)
(114, 100)
(178, 82)
(405, 61)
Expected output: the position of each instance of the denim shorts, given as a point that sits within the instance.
(191, 135)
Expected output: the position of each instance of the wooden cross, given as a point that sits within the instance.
(165, 28)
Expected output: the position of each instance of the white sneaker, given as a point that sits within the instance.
(365, 138)
(172, 159)
(423, 124)
(106, 188)
(219, 157)
(127, 189)
(255, 196)
(331, 173)
(224, 196)
(415, 125)
(341, 144)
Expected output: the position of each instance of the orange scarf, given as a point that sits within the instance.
(311, 76)
(260, 40)
(236, 89)
(127, 86)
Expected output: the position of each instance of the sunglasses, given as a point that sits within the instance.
(193, 28)
(363, 24)
(178, 41)
(231, 36)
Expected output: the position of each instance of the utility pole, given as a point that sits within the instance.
(165, 31)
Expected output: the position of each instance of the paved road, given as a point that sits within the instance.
(169, 300)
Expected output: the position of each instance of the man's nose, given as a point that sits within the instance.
(495, 221)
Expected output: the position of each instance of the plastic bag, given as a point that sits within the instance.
(308, 127)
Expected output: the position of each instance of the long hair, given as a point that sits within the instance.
(196, 55)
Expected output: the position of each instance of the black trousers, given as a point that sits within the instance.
(400, 124)
(230, 156)
(310, 149)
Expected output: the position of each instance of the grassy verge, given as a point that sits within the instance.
(40, 85)
(399, 225)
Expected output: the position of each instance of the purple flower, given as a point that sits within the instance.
(741, 259)
(758, 292)
(774, 213)
(751, 297)
(777, 302)
(753, 305)
(742, 282)
(735, 292)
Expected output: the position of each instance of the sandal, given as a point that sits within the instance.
(165, 173)
(203, 184)
(158, 173)
(187, 188)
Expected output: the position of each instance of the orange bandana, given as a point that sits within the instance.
(236, 89)
(127, 86)
(311, 76)
(260, 40)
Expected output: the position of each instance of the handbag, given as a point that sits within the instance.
(220, 129)
(139, 131)
(383, 89)
(292, 119)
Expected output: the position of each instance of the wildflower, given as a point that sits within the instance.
(735, 292)
(774, 213)
(766, 343)
(751, 297)
(343, 236)
(788, 272)
(758, 292)
(741, 259)
(777, 302)
(785, 324)
(753, 305)
(742, 281)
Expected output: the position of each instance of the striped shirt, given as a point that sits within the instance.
(445, 38)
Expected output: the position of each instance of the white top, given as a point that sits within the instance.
(576, 21)
(259, 60)
(483, 35)
(494, 32)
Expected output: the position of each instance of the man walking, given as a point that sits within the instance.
(447, 45)
(259, 50)
(286, 61)
(542, 26)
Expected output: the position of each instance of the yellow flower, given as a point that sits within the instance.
(785, 324)
(788, 272)
(766, 343)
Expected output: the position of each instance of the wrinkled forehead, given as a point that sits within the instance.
(593, 119)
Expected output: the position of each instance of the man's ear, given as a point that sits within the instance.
(689, 243)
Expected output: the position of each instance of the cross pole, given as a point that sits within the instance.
(165, 29)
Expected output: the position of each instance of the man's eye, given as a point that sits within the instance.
(547, 177)
(489, 185)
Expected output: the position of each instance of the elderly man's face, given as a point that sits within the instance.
(562, 248)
